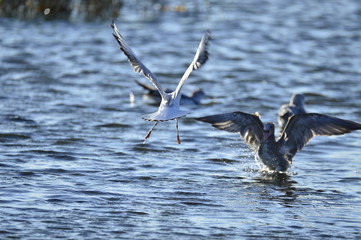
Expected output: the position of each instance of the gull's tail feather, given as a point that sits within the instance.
(165, 115)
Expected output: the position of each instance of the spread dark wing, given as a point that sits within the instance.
(138, 66)
(248, 125)
(301, 128)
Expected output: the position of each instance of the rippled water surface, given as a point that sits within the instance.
(72, 160)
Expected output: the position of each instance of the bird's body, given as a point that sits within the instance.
(300, 129)
(295, 106)
(152, 94)
(269, 157)
(169, 108)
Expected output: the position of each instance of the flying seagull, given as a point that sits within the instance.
(152, 93)
(169, 108)
(300, 129)
(295, 106)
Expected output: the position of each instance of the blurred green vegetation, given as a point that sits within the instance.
(72, 10)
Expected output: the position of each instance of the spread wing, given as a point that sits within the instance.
(138, 66)
(199, 59)
(249, 126)
(301, 128)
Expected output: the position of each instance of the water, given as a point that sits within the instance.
(73, 165)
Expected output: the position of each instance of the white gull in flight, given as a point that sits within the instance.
(169, 108)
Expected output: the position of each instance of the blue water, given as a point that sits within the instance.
(72, 160)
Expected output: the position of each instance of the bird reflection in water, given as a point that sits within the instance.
(277, 186)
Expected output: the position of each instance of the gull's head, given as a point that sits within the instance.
(297, 99)
(198, 92)
(268, 130)
(198, 95)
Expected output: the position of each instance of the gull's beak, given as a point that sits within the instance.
(209, 97)
(266, 132)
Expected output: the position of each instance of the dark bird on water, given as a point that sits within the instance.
(295, 106)
(153, 94)
(300, 129)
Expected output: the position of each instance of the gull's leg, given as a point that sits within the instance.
(150, 131)
(176, 126)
